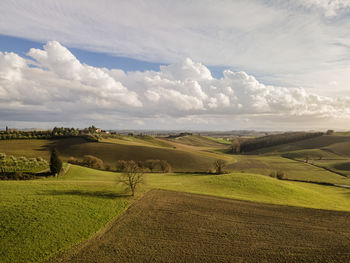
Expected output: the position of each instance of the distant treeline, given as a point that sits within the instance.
(91, 133)
(272, 140)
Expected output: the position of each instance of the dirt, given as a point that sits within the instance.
(166, 226)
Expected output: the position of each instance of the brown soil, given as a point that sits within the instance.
(166, 226)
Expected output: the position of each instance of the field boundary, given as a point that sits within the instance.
(61, 256)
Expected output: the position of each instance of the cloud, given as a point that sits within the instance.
(282, 42)
(54, 86)
(330, 8)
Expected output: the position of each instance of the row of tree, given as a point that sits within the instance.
(91, 133)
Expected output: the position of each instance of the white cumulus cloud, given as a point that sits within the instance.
(54, 86)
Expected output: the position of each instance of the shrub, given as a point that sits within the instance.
(92, 162)
(121, 165)
(280, 175)
(2, 156)
(12, 158)
(165, 167)
(73, 160)
(273, 174)
(151, 164)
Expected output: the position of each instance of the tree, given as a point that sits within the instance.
(132, 176)
(55, 162)
(151, 164)
(235, 146)
(92, 161)
(164, 166)
(219, 166)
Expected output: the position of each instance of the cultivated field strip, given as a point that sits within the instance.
(167, 226)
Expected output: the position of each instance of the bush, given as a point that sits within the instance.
(280, 175)
(273, 175)
(165, 167)
(73, 160)
(121, 165)
(151, 164)
(92, 162)
(2, 156)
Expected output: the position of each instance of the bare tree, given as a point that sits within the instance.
(219, 166)
(132, 176)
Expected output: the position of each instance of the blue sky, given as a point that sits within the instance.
(154, 64)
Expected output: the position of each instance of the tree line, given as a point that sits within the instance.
(91, 133)
(120, 165)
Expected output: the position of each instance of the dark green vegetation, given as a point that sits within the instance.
(55, 162)
(177, 227)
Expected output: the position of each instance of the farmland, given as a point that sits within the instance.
(57, 218)
(112, 151)
(178, 227)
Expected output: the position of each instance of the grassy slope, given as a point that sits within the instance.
(322, 142)
(219, 140)
(138, 140)
(293, 169)
(40, 217)
(180, 160)
(199, 141)
(256, 188)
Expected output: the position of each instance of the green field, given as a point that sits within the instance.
(293, 169)
(41, 217)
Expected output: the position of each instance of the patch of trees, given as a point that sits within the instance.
(147, 166)
(278, 174)
(88, 161)
(90, 134)
(22, 168)
(271, 140)
(182, 134)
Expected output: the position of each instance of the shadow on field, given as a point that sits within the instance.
(99, 194)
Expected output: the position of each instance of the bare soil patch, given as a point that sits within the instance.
(166, 226)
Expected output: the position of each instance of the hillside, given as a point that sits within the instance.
(200, 141)
(110, 152)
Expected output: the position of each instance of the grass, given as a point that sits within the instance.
(294, 170)
(256, 188)
(199, 141)
(138, 140)
(180, 160)
(41, 217)
(219, 140)
(321, 142)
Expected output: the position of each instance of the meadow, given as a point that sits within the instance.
(42, 218)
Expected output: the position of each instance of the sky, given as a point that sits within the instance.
(200, 65)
